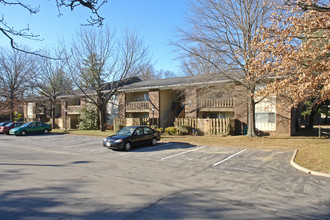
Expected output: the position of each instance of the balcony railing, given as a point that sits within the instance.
(216, 103)
(73, 109)
(143, 105)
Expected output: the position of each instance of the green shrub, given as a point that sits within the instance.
(160, 130)
(171, 130)
(88, 119)
(184, 129)
(17, 116)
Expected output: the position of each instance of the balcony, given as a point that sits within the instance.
(216, 104)
(73, 109)
(142, 106)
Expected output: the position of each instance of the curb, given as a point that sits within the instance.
(303, 169)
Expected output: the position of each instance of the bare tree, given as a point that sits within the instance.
(100, 64)
(195, 65)
(11, 33)
(225, 29)
(147, 72)
(16, 70)
(163, 74)
(51, 81)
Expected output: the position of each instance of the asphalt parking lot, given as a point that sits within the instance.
(74, 177)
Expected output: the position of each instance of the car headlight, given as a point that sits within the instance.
(119, 141)
(105, 139)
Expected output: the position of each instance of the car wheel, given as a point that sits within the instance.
(154, 141)
(46, 131)
(23, 133)
(127, 146)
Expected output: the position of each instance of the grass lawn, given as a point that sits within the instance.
(313, 154)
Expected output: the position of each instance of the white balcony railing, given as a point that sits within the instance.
(137, 105)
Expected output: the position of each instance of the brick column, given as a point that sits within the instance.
(63, 114)
(25, 111)
(191, 103)
(283, 117)
(240, 108)
(121, 105)
(154, 106)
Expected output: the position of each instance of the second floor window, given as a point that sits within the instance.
(140, 97)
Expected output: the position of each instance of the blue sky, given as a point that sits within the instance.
(154, 20)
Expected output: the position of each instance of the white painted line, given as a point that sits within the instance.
(183, 153)
(228, 158)
(146, 149)
(151, 148)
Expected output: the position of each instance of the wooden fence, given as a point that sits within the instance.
(213, 126)
(208, 125)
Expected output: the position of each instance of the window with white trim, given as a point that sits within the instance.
(30, 110)
(265, 114)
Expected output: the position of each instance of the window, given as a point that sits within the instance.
(146, 97)
(265, 117)
(30, 110)
(139, 131)
(218, 115)
(139, 97)
(147, 131)
(265, 114)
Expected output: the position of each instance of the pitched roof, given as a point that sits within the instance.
(106, 87)
(175, 82)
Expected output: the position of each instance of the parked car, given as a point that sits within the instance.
(132, 136)
(31, 128)
(6, 128)
(3, 123)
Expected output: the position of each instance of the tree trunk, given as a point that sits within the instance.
(52, 103)
(251, 118)
(11, 106)
(102, 119)
(11, 114)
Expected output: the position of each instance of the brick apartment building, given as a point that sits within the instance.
(161, 101)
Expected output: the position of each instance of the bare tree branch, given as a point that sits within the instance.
(100, 64)
(11, 33)
(220, 34)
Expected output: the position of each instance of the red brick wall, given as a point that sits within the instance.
(283, 117)
(121, 105)
(154, 99)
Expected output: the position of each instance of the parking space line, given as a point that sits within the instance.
(182, 153)
(146, 149)
(228, 158)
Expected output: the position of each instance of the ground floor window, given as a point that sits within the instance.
(30, 110)
(137, 115)
(216, 115)
(265, 114)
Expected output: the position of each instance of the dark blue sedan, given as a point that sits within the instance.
(132, 136)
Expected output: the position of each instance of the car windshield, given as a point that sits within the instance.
(3, 123)
(126, 131)
(10, 124)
